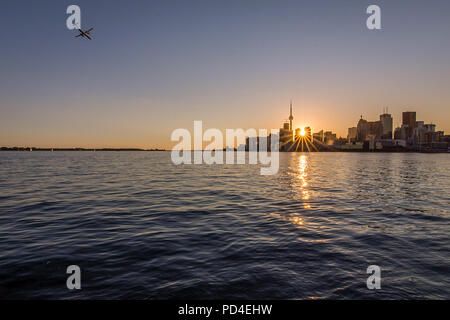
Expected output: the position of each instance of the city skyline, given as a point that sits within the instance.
(231, 65)
(407, 136)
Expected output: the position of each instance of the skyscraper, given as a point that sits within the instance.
(409, 121)
(409, 118)
(386, 126)
(297, 133)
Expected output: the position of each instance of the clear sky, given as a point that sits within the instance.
(154, 66)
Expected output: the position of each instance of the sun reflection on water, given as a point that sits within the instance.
(302, 176)
(297, 221)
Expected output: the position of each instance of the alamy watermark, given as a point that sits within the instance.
(74, 280)
(374, 280)
(74, 20)
(373, 22)
(260, 146)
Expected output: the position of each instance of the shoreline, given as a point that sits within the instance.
(164, 150)
(28, 149)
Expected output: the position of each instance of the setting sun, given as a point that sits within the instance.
(302, 132)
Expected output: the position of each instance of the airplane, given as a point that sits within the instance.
(84, 33)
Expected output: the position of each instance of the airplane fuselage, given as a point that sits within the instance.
(84, 33)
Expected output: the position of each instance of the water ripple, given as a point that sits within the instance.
(141, 227)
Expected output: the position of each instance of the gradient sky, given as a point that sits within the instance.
(155, 66)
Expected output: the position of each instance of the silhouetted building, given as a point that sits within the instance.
(352, 134)
(318, 136)
(409, 122)
(308, 134)
(375, 130)
(329, 137)
(286, 138)
(425, 134)
(297, 134)
(251, 143)
(362, 130)
(397, 133)
(386, 126)
(368, 130)
(287, 134)
(255, 143)
(409, 118)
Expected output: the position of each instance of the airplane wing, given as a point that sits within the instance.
(80, 35)
(87, 31)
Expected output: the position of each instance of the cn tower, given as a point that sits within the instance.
(290, 119)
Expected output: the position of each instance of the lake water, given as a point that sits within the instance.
(140, 227)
